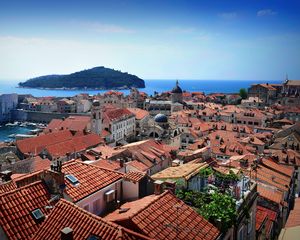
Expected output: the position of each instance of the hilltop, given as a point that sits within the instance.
(94, 78)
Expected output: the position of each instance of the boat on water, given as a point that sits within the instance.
(23, 125)
(12, 124)
(31, 124)
(12, 135)
(23, 136)
(35, 131)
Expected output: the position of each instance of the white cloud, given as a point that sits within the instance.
(266, 12)
(181, 30)
(228, 15)
(105, 28)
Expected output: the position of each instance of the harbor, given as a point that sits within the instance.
(10, 132)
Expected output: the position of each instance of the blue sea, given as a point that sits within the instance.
(206, 86)
(6, 131)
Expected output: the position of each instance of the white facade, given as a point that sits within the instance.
(123, 128)
(83, 106)
(8, 102)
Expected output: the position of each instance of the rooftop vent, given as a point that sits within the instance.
(72, 179)
(38, 215)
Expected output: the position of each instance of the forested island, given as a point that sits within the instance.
(94, 78)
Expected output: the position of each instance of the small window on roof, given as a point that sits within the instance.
(72, 179)
(38, 215)
(93, 237)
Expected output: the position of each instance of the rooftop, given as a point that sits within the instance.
(83, 224)
(158, 217)
(91, 179)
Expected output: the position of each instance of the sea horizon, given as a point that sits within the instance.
(152, 85)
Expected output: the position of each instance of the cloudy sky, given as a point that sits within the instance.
(155, 39)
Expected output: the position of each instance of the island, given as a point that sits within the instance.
(94, 78)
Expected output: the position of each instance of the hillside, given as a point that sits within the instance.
(94, 78)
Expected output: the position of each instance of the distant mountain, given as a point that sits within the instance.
(94, 78)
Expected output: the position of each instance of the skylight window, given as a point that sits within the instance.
(37, 215)
(93, 237)
(72, 179)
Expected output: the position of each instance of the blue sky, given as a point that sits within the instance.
(222, 39)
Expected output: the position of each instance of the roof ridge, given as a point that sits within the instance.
(86, 212)
(21, 188)
(151, 202)
(103, 168)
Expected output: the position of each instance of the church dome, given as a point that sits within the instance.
(161, 118)
(177, 89)
(96, 103)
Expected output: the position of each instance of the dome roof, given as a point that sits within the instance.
(161, 118)
(177, 89)
(96, 103)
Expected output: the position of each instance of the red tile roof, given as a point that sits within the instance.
(261, 217)
(134, 176)
(116, 114)
(91, 179)
(37, 144)
(109, 164)
(269, 194)
(149, 152)
(16, 207)
(139, 166)
(83, 224)
(75, 144)
(159, 218)
(271, 217)
(139, 113)
(7, 186)
(73, 123)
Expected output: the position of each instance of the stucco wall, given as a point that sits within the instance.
(130, 190)
(99, 196)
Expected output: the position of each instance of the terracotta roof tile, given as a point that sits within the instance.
(139, 166)
(134, 176)
(109, 164)
(37, 144)
(159, 217)
(270, 194)
(91, 178)
(118, 113)
(139, 113)
(7, 186)
(83, 224)
(16, 207)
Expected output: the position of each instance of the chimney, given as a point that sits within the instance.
(66, 234)
(122, 163)
(6, 175)
(158, 187)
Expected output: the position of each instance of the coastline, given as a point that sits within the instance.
(81, 89)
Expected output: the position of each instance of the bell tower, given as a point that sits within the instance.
(96, 119)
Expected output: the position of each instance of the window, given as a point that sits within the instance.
(72, 179)
(37, 214)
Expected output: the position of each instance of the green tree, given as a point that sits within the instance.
(243, 93)
(216, 207)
